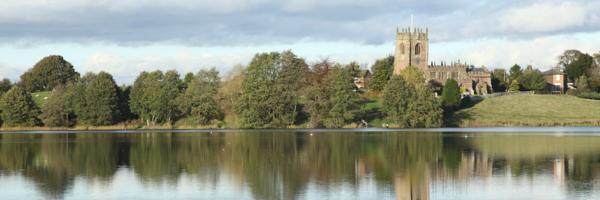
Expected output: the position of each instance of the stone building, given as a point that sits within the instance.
(412, 49)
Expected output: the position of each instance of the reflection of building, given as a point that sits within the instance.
(414, 187)
(412, 49)
(556, 80)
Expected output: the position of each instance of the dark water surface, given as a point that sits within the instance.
(548, 163)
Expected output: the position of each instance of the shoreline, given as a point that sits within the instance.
(503, 129)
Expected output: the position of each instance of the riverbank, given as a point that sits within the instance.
(529, 110)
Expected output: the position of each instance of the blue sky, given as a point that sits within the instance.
(124, 37)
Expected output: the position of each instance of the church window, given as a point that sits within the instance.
(418, 49)
(432, 75)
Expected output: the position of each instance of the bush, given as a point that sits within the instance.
(589, 95)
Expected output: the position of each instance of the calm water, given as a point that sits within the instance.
(551, 163)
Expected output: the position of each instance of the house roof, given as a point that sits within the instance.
(554, 71)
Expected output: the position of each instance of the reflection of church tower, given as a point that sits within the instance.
(412, 48)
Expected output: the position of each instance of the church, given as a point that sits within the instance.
(412, 49)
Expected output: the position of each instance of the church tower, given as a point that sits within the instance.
(412, 49)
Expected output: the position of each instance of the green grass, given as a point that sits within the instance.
(40, 97)
(530, 110)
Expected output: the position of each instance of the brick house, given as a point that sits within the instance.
(556, 80)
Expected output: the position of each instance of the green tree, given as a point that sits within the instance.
(514, 86)
(533, 80)
(48, 73)
(382, 71)
(515, 73)
(344, 100)
(56, 111)
(451, 95)
(410, 106)
(270, 90)
(413, 75)
(575, 63)
(154, 96)
(18, 108)
(319, 93)
(5, 85)
(101, 100)
(499, 78)
(582, 84)
(199, 100)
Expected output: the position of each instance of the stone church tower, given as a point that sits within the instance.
(412, 48)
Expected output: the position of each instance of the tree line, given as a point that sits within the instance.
(275, 90)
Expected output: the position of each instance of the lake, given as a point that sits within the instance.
(494, 163)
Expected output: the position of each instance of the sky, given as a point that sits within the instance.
(125, 37)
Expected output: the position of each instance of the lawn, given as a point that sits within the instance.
(40, 97)
(530, 110)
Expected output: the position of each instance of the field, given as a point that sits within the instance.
(530, 110)
(40, 97)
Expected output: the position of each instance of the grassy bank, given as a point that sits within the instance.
(530, 110)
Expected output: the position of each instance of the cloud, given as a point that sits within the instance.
(546, 17)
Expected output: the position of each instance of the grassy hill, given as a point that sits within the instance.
(40, 97)
(530, 110)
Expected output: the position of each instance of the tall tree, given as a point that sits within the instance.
(101, 100)
(410, 106)
(18, 108)
(199, 100)
(56, 111)
(576, 63)
(382, 71)
(319, 93)
(344, 100)
(514, 86)
(153, 96)
(413, 75)
(270, 90)
(499, 80)
(582, 84)
(451, 95)
(533, 80)
(48, 73)
(515, 73)
(5, 85)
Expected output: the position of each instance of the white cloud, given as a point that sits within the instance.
(546, 17)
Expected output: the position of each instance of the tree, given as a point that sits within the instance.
(515, 73)
(582, 84)
(451, 95)
(499, 78)
(533, 80)
(382, 71)
(153, 96)
(229, 93)
(413, 75)
(270, 90)
(514, 86)
(48, 73)
(576, 63)
(410, 106)
(18, 108)
(199, 100)
(101, 101)
(319, 93)
(344, 100)
(5, 85)
(56, 111)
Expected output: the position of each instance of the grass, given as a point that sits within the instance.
(530, 110)
(40, 97)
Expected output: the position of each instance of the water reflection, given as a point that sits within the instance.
(281, 165)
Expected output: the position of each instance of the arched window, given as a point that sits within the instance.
(418, 49)
(401, 48)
